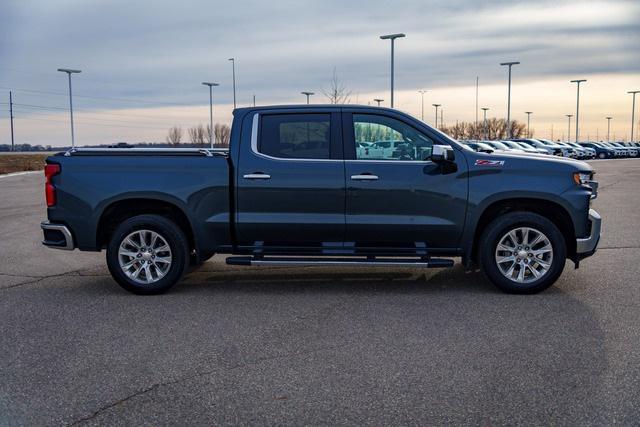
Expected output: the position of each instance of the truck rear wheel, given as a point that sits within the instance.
(147, 254)
(522, 252)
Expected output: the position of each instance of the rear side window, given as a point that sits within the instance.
(296, 136)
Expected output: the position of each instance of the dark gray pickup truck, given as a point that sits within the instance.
(325, 185)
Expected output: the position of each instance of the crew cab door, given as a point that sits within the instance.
(290, 180)
(397, 197)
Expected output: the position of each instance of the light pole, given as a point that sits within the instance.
(69, 72)
(378, 100)
(569, 127)
(578, 107)
(633, 111)
(436, 105)
(484, 112)
(308, 94)
(422, 92)
(509, 64)
(233, 68)
(528, 113)
(608, 127)
(392, 37)
(211, 85)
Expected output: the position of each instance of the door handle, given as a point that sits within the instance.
(256, 175)
(364, 177)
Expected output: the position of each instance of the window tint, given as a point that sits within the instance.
(296, 136)
(385, 138)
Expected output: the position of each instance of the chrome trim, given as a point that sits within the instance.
(364, 177)
(588, 244)
(256, 176)
(68, 239)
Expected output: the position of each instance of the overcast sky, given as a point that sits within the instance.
(142, 62)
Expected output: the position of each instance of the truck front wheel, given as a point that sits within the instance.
(147, 254)
(522, 252)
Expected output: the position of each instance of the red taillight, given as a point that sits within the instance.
(50, 170)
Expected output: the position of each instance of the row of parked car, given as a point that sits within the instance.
(582, 151)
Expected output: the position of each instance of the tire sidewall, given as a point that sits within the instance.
(175, 239)
(498, 228)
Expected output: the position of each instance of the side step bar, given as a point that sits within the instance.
(406, 262)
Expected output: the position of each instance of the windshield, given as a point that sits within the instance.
(498, 145)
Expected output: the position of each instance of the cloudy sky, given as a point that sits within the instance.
(142, 62)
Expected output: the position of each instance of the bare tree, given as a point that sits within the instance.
(198, 135)
(496, 129)
(174, 136)
(221, 133)
(337, 92)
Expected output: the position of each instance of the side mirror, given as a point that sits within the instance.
(442, 154)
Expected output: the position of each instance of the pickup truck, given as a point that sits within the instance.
(322, 185)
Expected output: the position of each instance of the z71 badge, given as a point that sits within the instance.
(482, 162)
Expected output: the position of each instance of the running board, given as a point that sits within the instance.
(398, 262)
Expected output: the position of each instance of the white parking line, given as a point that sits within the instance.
(8, 175)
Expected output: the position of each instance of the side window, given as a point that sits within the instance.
(384, 138)
(296, 136)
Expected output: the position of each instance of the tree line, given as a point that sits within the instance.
(199, 135)
(495, 129)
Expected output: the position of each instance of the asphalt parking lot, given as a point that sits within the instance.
(318, 345)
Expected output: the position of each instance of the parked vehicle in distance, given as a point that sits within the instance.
(516, 146)
(567, 151)
(552, 149)
(602, 152)
(536, 149)
(630, 151)
(480, 147)
(589, 153)
(500, 146)
(619, 152)
(578, 152)
(295, 188)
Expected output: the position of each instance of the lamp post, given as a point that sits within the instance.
(633, 111)
(211, 85)
(608, 127)
(378, 100)
(392, 37)
(569, 127)
(69, 72)
(484, 112)
(509, 64)
(233, 69)
(308, 94)
(528, 113)
(422, 92)
(436, 105)
(578, 107)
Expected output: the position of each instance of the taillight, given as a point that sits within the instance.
(50, 170)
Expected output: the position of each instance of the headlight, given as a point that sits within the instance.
(582, 178)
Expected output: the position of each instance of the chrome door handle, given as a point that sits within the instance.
(364, 177)
(257, 175)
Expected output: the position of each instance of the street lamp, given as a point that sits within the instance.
(436, 105)
(233, 65)
(633, 111)
(484, 112)
(392, 37)
(211, 85)
(569, 127)
(378, 100)
(509, 64)
(578, 107)
(608, 127)
(422, 92)
(308, 94)
(528, 113)
(69, 72)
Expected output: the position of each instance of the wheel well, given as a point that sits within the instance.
(550, 210)
(121, 210)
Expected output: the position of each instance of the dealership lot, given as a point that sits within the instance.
(318, 345)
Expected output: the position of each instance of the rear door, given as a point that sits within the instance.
(291, 182)
(397, 199)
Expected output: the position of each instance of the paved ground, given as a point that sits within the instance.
(318, 345)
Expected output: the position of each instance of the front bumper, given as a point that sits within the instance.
(57, 236)
(587, 246)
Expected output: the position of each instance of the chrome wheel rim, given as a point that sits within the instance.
(144, 256)
(524, 255)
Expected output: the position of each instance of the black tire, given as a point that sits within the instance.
(173, 236)
(602, 156)
(502, 225)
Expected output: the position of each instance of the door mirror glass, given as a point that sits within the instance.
(442, 153)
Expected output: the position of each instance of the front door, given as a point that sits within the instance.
(396, 197)
(290, 181)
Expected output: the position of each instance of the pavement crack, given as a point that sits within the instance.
(37, 278)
